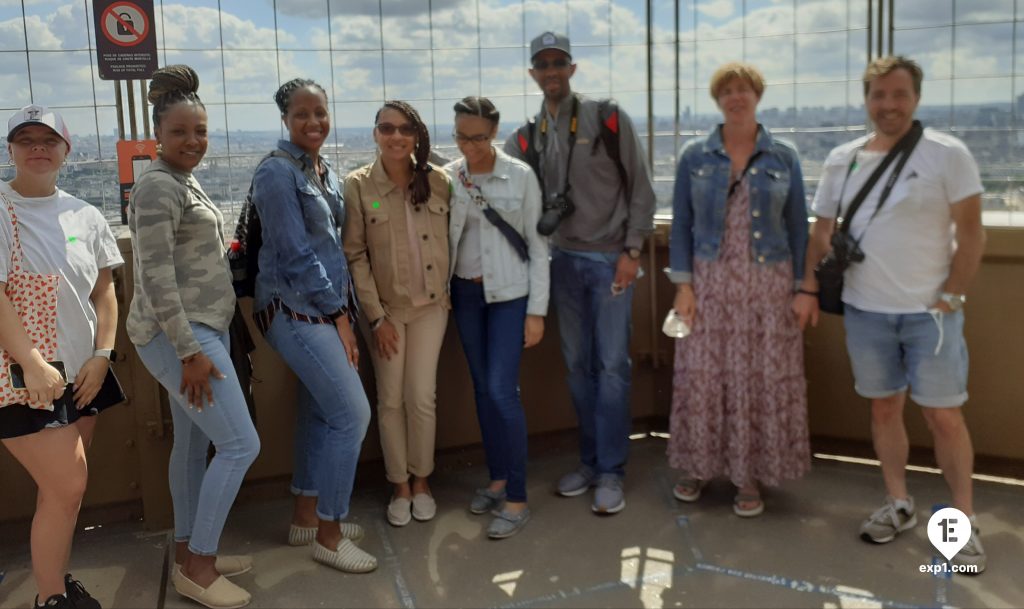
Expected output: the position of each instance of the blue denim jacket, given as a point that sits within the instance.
(778, 207)
(301, 261)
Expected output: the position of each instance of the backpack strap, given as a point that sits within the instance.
(608, 114)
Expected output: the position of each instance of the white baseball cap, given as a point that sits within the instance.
(38, 115)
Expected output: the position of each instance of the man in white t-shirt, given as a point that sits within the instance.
(903, 302)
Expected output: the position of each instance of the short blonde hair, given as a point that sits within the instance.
(737, 69)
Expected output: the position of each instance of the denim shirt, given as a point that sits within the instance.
(301, 260)
(778, 207)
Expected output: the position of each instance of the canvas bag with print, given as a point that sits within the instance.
(34, 298)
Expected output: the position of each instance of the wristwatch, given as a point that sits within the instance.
(955, 302)
(109, 354)
(633, 253)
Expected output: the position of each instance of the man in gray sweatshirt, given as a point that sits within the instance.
(604, 204)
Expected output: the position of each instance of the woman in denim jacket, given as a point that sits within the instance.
(739, 232)
(498, 298)
(305, 306)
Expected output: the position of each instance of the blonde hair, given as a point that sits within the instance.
(884, 66)
(736, 69)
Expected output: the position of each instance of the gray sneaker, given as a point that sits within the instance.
(507, 524)
(887, 522)
(972, 554)
(608, 497)
(576, 482)
(486, 500)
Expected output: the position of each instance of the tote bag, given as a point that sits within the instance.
(34, 298)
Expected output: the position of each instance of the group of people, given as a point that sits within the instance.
(402, 241)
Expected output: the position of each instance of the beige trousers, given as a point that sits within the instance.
(407, 392)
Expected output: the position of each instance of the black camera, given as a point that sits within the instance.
(555, 210)
(845, 249)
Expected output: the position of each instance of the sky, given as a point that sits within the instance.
(811, 51)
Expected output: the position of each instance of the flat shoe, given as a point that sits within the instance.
(399, 511)
(423, 507)
(486, 500)
(303, 536)
(688, 489)
(757, 510)
(348, 557)
(507, 524)
(221, 594)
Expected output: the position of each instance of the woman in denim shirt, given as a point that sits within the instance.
(305, 307)
(739, 233)
(499, 299)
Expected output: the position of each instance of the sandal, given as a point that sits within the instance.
(748, 498)
(688, 489)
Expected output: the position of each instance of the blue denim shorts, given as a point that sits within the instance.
(925, 351)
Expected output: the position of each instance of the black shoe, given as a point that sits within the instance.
(57, 601)
(80, 599)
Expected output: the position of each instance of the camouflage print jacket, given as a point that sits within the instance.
(181, 271)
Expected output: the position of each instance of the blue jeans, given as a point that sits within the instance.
(203, 495)
(926, 351)
(595, 328)
(333, 413)
(492, 337)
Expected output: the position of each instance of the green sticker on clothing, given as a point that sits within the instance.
(72, 239)
(376, 204)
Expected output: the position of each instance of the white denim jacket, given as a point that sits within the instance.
(513, 191)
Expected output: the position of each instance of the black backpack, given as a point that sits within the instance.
(244, 249)
(608, 111)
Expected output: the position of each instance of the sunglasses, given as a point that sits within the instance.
(558, 64)
(406, 129)
(479, 138)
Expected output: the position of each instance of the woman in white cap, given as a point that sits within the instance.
(46, 231)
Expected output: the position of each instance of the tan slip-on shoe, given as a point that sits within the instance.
(221, 594)
(399, 511)
(423, 507)
(230, 566)
(303, 536)
(348, 557)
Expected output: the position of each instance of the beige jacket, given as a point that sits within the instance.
(376, 242)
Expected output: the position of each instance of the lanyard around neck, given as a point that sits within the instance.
(573, 126)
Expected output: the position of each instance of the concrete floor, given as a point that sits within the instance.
(803, 552)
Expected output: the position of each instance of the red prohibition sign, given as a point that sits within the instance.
(110, 12)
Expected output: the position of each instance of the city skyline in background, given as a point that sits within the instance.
(433, 52)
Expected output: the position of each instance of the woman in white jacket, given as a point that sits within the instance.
(499, 289)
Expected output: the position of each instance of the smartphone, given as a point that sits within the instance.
(18, 376)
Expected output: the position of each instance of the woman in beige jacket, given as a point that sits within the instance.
(396, 242)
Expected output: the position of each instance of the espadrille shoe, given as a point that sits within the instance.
(221, 594)
(348, 557)
(303, 536)
(230, 566)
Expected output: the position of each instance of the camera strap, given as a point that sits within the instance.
(574, 123)
(904, 147)
(739, 179)
(516, 240)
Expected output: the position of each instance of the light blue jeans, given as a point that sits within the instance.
(332, 414)
(203, 495)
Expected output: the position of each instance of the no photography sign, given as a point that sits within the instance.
(125, 41)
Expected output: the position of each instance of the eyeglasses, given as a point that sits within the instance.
(406, 129)
(479, 138)
(558, 64)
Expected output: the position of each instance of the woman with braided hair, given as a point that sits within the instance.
(396, 242)
(305, 307)
(178, 321)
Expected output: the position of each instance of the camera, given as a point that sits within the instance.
(555, 210)
(845, 249)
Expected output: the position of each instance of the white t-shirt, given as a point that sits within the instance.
(909, 245)
(65, 236)
(469, 262)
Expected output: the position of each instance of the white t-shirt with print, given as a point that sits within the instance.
(909, 245)
(64, 236)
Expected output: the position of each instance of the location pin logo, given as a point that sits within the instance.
(949, 530)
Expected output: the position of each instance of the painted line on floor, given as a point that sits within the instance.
(797, 585)
(405, 596)
(683, 522)
(562, 595)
